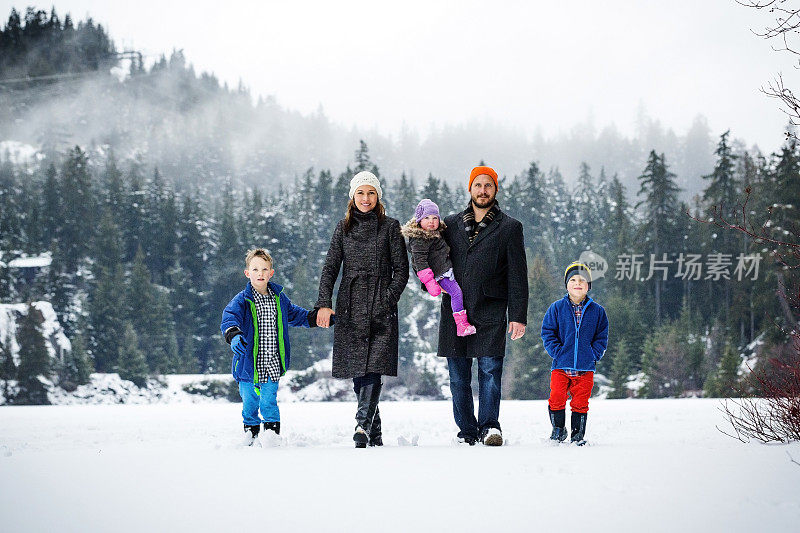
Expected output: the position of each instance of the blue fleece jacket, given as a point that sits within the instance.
(239, 316)
(573, 346)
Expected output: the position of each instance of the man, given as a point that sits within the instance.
(488, 255)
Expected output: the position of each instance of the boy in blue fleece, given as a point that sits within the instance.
(255, 323)
(575, 335)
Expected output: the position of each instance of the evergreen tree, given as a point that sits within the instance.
(113, 187)
(158, 341)
(530, 370)
(51, 207)
(604, 232)
(149, 312)
(79, 369)
(106, 314)
(31, 217)
(664, 357)
(405, 198)
(325, 217)
(192, 246)
(134, 231)
(723, 190)
(660, 199)
(363, 161)
(106, 295)
(77, 222)
(724, 382)
(620, 222)
(561, 247)
(132, 365)
(533, 209)
(160, 224)
(622, 367)
(722, 195)
(34, 360)
(785, 193)
(8, 369)
(585, 198)
(341, 192)
(10, 210)
(448, 200)
(431, 189)
(227, 233)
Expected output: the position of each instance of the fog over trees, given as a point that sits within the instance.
(66, 84)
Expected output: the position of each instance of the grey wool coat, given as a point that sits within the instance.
(493, 275)
(428, 248)
(374, 265)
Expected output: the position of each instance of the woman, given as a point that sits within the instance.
(367, 245)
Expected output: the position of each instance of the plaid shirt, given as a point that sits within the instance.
(578, 310)
(268, 361)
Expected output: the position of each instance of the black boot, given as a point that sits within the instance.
(368, 397)
(558, 419)
(375, 435)
(274, 426)
(578, 428)
(251, 434)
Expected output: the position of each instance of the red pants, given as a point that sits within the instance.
(579, 387)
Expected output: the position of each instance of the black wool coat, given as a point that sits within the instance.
(493, 275)
(428, 248)
(374, 264)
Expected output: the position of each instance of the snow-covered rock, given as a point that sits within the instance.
(56, 341)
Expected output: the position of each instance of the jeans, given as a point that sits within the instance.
(252, 402)
(490, 370)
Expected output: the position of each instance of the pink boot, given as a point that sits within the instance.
(463, 327)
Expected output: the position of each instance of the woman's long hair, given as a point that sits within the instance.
(351, 208)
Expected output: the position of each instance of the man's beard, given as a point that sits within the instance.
(482, 203)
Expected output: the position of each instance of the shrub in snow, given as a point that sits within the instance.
(774, 415)
(214, 388)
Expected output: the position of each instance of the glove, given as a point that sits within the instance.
(239, 345)
(426, 277)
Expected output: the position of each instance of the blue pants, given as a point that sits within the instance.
(490, 371)
(252, 402)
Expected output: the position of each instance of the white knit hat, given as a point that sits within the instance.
(365, 178)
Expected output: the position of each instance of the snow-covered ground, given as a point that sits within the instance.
(651, 465)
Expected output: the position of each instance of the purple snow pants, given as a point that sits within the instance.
(456, 298)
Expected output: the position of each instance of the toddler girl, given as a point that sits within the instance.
(430, 258)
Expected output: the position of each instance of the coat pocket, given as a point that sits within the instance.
(496, 288)
(236, 365)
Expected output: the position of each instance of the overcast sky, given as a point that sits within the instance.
(548, 65)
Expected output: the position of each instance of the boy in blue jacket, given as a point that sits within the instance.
(575, 335)
(255, 323)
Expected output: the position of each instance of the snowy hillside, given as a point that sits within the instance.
(651, 465)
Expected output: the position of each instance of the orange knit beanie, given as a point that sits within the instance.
(477, 171)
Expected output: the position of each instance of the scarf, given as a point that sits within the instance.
(471, 227)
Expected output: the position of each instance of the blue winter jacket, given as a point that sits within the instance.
(239, 316)
(571, 346)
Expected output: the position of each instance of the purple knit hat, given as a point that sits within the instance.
(425, 208)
